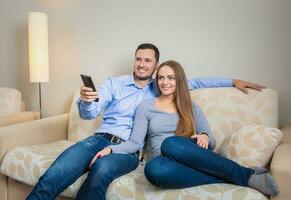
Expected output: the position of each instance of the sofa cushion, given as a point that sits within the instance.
(10, 101)
(252, 145)
(228, 109)
(26, 164)
(79, 128)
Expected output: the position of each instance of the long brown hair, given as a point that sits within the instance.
(182, 99)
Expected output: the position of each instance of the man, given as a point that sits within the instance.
(118, 97)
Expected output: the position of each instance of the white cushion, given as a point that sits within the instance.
(252, 145)
(10, 101)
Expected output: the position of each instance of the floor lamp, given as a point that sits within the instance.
(38, 50)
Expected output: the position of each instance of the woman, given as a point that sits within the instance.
(180, 140)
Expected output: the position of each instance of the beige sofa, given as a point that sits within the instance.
(27, 149)
(12, 109)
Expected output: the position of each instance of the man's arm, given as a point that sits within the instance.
(212, 82)
(88, 108)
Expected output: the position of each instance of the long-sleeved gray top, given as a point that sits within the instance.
(157, 126)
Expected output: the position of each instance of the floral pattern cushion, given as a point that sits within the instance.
(10, 101)
(26, 164)
(79, 128)
(252, 145)
(228, 109)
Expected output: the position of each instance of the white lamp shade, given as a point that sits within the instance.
(38, 47)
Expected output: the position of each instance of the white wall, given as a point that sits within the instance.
(246, 39)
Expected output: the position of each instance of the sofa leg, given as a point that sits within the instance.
(3, 187)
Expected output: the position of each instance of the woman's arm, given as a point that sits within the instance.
(202, 126)
(139, 131)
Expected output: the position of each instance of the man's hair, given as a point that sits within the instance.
(150, 46)
(182, 99)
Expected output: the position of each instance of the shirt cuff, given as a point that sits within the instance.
(226, 82)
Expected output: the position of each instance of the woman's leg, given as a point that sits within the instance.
(103, 172)
(186, 151)
(67, 168)
(165, 173)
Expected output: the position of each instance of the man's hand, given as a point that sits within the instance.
(202, 140)
(87, 94)
(104, 152)
(243, 85)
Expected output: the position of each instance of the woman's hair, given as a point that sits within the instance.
(181, 99)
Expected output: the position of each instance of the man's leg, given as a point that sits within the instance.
(67, 168)
(187, 152)
(103, 172)
(165, 173)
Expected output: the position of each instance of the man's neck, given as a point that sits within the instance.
(141, 83)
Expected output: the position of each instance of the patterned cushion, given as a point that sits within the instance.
(135, 186)
(228, 109)
(79, 128)
(10, 101)
(252, 145)
(28, 163)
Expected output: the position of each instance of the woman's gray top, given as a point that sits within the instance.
(157, 126)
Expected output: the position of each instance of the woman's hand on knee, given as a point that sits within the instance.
(104, 152)
(202, 140)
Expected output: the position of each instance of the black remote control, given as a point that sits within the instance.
(87, 80)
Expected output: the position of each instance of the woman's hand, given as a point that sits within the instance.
(202, 140)
(106, 151)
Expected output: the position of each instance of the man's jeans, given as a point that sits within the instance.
(184, 164)
(74, 162)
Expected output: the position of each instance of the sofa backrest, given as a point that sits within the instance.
(226, 109)
(10, 101)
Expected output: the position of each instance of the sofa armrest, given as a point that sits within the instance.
(33, 132)
(281, 170)
(18, 118)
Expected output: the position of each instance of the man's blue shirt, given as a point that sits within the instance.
(120, 96)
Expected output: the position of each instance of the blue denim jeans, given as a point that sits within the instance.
(74, 162)
(184, 164)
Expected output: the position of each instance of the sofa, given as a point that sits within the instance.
(28, 149)
(12, 108)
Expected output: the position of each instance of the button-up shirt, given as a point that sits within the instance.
(120, 96)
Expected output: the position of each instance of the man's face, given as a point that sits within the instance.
(144, 64)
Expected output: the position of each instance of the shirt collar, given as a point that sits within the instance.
(129, 80)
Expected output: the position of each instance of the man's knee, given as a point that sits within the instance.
(101, 168)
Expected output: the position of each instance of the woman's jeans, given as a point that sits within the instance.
(184, 164)
(74, 162)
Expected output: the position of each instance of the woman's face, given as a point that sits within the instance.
(166, 81)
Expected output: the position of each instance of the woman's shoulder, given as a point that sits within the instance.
(195, 107)
(147, 104)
